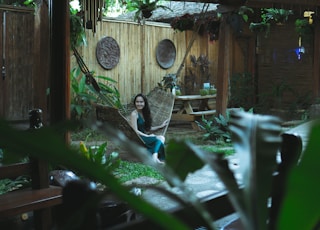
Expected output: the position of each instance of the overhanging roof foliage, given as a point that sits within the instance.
(250, 2)
(178, 9)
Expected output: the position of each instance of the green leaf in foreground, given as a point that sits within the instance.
(182, 158)
(301, 209)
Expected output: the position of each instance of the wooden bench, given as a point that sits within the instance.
(192, 117)
(203, 113)
(39, 198)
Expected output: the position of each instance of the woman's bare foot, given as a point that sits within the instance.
(156, 159)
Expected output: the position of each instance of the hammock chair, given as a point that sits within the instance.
(161, 105)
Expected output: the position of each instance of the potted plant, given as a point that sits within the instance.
(280, 16)
(144, 8)
(197, 74)
(169, 81)
(204, 92)
(263, 26)
(212, 90)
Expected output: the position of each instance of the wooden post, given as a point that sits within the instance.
(41, 60)
(223, 67)
(60, 62)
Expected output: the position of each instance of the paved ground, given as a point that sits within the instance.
(202, 183)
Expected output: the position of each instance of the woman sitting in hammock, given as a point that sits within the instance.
(141, 121)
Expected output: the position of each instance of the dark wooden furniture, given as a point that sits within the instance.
(40, 198)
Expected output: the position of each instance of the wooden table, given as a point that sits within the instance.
(192, 108)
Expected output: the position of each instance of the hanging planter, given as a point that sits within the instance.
(213, 30)
(185, 22)
(279, 16)
(269, 15)
(209, 26)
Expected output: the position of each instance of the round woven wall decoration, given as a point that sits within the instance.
(166, 53)
(108, 52)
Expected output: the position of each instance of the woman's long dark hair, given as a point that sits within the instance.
(145, 111)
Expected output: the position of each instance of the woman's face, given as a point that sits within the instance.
(139, 103)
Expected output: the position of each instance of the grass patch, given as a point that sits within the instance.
(88, 135)
(131, 170)
(227, 151)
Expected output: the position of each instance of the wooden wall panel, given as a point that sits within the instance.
(280, 70)
(138, 70)
(17, 46)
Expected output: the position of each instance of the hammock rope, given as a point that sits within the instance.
(84, 69)
(90, 80)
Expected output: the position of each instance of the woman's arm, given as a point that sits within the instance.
(154, 128)
(134, 125)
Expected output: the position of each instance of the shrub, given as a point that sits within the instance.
(216, 128)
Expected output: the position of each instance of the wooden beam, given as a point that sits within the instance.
(289, 2)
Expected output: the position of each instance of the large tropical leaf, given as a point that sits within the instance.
(256, 140)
